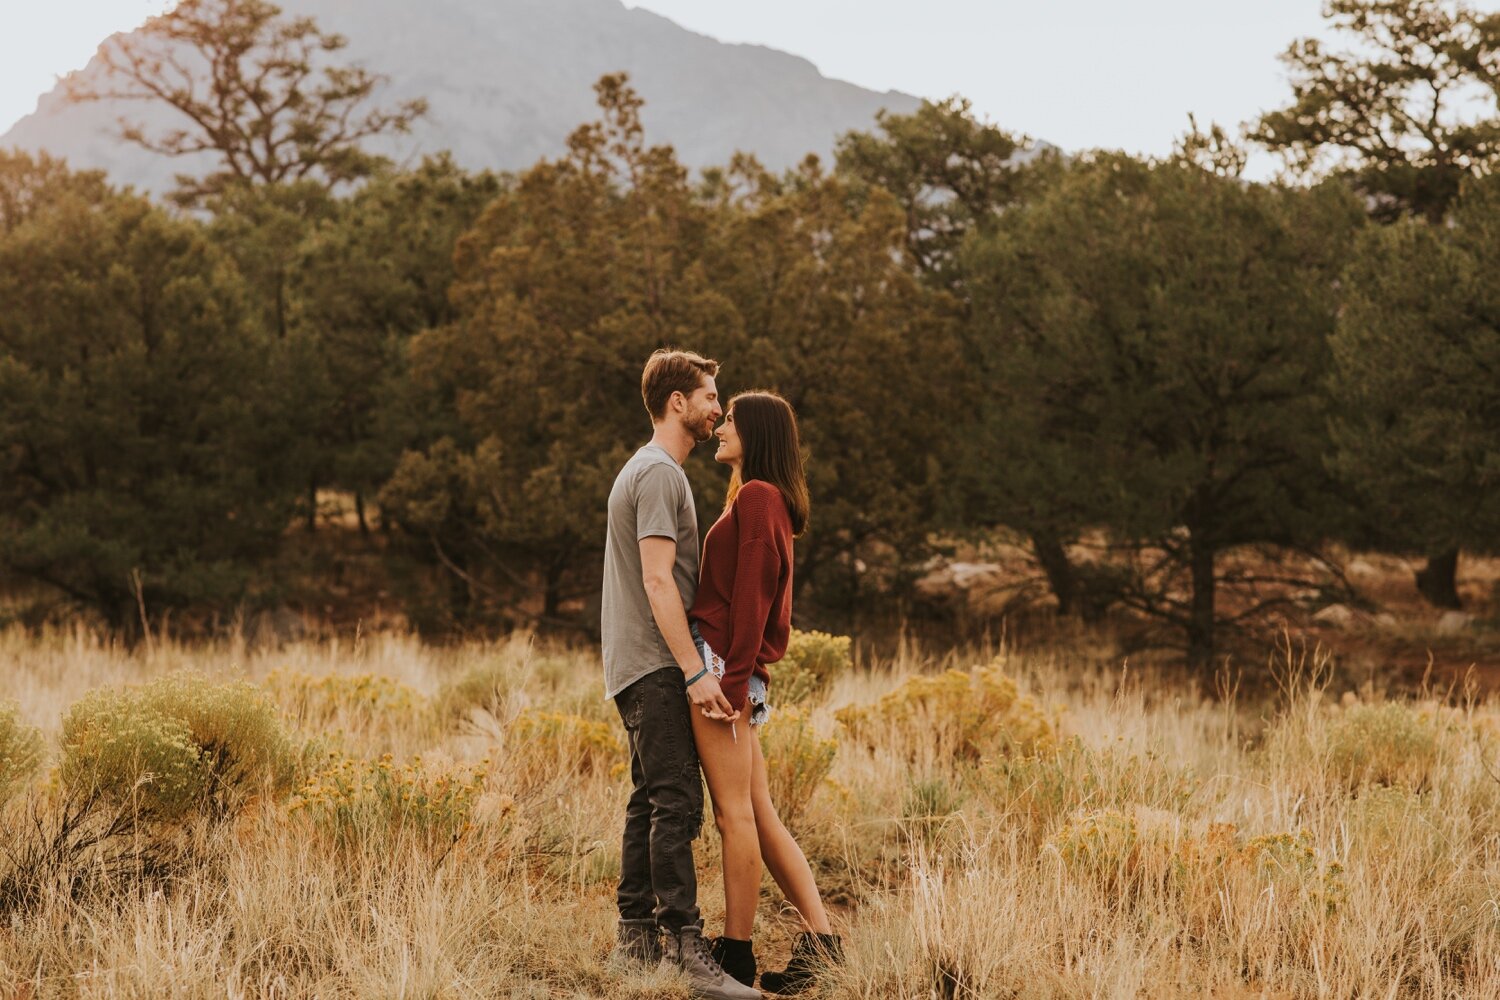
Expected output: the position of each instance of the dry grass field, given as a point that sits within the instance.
(384, 819)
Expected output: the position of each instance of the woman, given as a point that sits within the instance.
(743, 614)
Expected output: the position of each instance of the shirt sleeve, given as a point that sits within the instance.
(658, 502)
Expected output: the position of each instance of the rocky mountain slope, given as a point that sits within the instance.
(507, 80)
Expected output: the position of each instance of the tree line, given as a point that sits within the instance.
(979, 334)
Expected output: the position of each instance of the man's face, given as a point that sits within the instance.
(702, 410)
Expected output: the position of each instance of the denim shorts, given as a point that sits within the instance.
(760, 711)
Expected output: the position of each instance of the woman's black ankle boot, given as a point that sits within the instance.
(734, 957)
(812, 954)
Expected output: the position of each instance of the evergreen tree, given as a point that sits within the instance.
(138, 423)
(830, 316)
(1406, 113)
(366, 281)
(262, 97)
(953, 175)
(1159, 334)
(949, 172)
(1417, 376)
(565, 285)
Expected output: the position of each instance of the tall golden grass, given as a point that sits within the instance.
(985, 826)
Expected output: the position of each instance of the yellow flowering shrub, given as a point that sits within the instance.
(1387, 744)
(584, 746)
(813, 659)
(176, 743)
(1289, 863)
(797, 760)
(1100, 843)
(362, 804)
(314, 701)
(971, 714)
(20, 750)
(1292, 862)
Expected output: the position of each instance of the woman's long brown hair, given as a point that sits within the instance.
(767, 427)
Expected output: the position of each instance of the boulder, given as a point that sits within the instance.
(1335, 616)
(1454, 622)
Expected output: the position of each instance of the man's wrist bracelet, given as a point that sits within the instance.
(696, 678)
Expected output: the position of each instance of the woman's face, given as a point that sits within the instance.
(730, 451)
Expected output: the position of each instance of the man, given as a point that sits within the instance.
(655, 674)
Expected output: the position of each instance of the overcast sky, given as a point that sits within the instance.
(1078, 73)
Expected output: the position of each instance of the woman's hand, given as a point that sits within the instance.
(708, 698)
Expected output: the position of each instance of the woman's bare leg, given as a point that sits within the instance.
(787, 863)
(727, 767)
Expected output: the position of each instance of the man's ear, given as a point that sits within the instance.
(678, 402)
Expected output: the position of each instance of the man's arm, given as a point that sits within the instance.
(658, 555)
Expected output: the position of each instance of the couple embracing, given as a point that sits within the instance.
(685, 654)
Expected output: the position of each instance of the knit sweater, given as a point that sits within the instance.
(744, 603)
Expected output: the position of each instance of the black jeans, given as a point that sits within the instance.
(665, 813)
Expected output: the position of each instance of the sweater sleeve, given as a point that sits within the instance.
(756, 576)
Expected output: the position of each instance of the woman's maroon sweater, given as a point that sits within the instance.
(744, 603)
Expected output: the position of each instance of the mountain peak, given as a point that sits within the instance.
(507, 80)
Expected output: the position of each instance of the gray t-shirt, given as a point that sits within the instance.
(651, 496)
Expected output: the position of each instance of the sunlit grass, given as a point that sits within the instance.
(453, 832)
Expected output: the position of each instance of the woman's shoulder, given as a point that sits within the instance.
(762, 499)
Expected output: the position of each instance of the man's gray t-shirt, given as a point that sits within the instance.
(651, 496)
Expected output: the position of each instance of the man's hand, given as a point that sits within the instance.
(707, 697)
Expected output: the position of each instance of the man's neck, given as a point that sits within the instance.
(671, 438)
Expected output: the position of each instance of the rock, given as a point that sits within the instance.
(1335, 616)
(1361, 567)
(1454, 622)
(959, 580)
(937, 583)
(966, 575)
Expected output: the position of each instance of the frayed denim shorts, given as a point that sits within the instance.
(760, 711)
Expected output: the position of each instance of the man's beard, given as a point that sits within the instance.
(701, 426)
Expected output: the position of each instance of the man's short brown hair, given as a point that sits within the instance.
(669, 370)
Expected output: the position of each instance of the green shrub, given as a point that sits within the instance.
(969, 715)
(482, 686)
(797, 761)
(371, 702)
(175, 744)
(361, 804)
(1390, 822)
(318, 698)
(1385, 744)
(934, 798)
(812, 661)
(20, 750)
(1039, 790)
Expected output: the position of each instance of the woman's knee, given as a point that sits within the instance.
(734, 818)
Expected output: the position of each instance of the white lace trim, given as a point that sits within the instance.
(713, 661)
